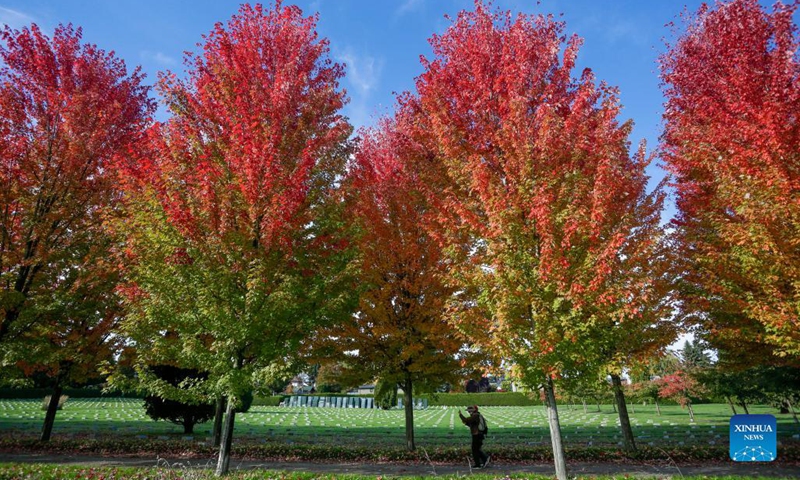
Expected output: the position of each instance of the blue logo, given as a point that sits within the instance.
(754, 438)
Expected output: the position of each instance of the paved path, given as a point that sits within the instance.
(587, 469)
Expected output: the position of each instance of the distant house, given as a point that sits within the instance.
(301, 384)
(365, 389)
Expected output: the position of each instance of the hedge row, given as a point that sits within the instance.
(11, 393)
(494, 399)
(789, 453)
(273, 401)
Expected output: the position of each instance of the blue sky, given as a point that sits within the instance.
(381, 41)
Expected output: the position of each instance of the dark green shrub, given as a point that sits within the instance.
(272, 401)
(245, 401)
(177, 412)
(385, 394)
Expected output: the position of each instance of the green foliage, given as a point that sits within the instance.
(272, 401)
(516, 399)
(245, 401)
(179, 410)
(385, 394)
(694, 355)
(329, 388)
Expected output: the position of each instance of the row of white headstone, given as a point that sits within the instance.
(344, 402)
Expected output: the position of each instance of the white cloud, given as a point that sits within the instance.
(363, 71)
(408, 6)
(362, 79)
(15, 19)
(159, 58)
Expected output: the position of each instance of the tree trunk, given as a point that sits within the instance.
(730, 402)
(624, 420)
(5, 326)
(744, 407)
(50, 416)
(691, 411)
(188, 426)
(223, 463)
(614, 406)
(218, 414)
(555, 430)
(408, 406)
(598, 406)
(584, 406)
(794, 413)
(658, 408)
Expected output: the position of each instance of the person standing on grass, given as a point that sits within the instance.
(478, 429)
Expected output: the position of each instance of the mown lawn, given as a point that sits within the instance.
(435, 426)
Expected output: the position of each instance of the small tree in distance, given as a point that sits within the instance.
(680, 387)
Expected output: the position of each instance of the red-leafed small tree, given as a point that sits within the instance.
(534, 164)
(680, 386)
(731, 141)
(67, 111)
(232, 233)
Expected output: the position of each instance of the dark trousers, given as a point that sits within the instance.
(477, 454)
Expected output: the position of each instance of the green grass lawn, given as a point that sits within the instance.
(434, 426)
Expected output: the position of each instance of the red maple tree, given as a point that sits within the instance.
(680, 386)
(730, 140)
(229, 232)
(399, 332)
(68, 111)
(533, 163)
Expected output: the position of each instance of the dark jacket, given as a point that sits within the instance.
(472, 422)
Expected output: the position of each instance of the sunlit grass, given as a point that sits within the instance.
(433, 426)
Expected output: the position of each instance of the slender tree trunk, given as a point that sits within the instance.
(624, 420)
(730, 402)
(584, 406)
(555, 430)
(658, 408)
(598, 406)
(794, 413)
(188, 426)
(691, 411)
(408, 406)
(5, 326)
(219, 412)
(223, 463)
(52, 408)
(614, 406)
(744, 407)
